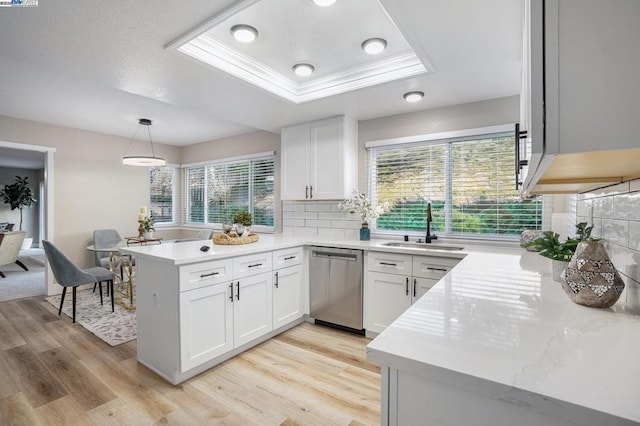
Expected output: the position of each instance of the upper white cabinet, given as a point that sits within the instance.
(580, 93)
(319, 159)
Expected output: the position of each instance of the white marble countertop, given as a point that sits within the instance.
(498, 324)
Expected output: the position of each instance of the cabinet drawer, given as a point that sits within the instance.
(432, 266)
(389, 262)
(204, 274)
(287, 257)
(245, 266)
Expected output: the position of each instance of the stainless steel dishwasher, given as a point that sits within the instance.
(335, 281)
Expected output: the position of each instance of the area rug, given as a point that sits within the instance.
(114, 328)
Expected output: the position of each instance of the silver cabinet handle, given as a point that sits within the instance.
(289, 258)
(388, 264)
(209, 275)
(255, 265)
(276, 283)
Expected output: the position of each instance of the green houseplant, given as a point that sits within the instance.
(243, 219)
(19, 195)
(148, 224)
(550, 246)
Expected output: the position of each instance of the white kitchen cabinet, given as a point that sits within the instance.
(206, 324)
(388, 296)
(252, 308)
(580, 94)
(319, 159)
(288, 303)
(393, 282)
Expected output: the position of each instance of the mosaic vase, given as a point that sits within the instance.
(590, 279)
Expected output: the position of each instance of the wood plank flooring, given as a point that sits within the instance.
(53, 372)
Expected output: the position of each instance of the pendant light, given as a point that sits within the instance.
(142, 160)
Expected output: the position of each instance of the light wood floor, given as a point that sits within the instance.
(55, 372)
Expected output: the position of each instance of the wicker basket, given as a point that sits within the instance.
(233, 239)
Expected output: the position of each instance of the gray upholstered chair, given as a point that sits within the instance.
(104, 238)
(10, 243)
(69, 275)
(205, 234)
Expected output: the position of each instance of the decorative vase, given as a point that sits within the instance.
(239, 229)
(227, 227)
(148, 235)
(529, 235)
(365, 232)
(557, 267)
(590, 278)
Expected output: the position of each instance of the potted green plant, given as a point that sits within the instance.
(550, 246)
(243, 220)
(149, 226)
(19, 195)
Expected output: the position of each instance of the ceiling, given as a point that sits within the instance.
(103, 64)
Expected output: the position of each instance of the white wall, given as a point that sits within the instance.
(614, 213)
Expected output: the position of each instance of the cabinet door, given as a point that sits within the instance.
(420, 286)
(295, 153)
(388, 296)
(206, 327)
(327, 159)
(287, 295)
(252, 308)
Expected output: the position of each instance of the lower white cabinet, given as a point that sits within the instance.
(387, 298)
(206, 324)
(252, 308)
(403, 280)
(288, 302)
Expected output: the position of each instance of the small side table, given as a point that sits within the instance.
(143, 241)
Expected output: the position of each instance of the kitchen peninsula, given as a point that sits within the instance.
(495, 341)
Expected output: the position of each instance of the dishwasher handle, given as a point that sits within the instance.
(332, 255)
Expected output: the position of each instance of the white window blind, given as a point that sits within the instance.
(216, 192)
(162, 194)
(469, 182)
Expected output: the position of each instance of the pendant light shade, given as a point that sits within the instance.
(143, 160)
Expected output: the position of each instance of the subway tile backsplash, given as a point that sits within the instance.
(615, 215)
(319, 218)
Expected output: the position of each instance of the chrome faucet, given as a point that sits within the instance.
(428, 238)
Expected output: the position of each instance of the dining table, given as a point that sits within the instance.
(122, 266)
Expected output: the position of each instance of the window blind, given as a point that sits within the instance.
(469, 182)
(218, 191)
(162, 194)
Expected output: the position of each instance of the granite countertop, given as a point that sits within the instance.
(498, 324)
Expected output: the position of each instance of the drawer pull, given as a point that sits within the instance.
(289, 258)
(388, 264)
(209, 274)
(437, 269)
(255, 265)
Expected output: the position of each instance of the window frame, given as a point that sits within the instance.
(174, 195)
(270, 155)
(447, 138)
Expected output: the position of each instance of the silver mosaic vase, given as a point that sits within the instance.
(590, 279)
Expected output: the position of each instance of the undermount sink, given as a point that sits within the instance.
(422, 246)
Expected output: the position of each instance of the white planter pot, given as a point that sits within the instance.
(148, 235)
(558, 266)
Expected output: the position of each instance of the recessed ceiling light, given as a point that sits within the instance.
(373, 46)
(303, 70)
(244, 33)
(324, 3)
(413, 96)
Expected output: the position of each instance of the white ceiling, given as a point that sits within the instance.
(101, 65)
